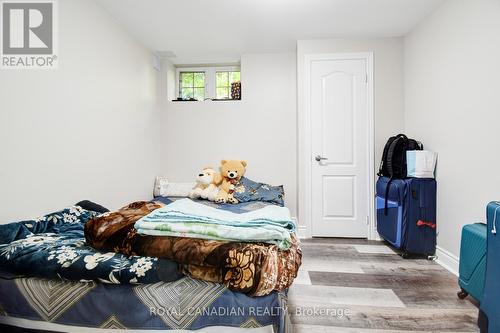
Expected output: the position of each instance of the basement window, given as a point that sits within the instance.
(223, 82)
(208, 83)
(192, 85)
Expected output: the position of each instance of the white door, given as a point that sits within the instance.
(340, 147)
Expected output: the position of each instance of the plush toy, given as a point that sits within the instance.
(206, 185)
(231, 172)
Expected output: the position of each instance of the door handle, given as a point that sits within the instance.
(319, 158)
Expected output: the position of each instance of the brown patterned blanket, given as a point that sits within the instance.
(255, 269)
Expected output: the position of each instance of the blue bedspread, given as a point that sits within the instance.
(53, 247)
(183, 304)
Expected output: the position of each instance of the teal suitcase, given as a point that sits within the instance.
(490, 304)
(472, 268)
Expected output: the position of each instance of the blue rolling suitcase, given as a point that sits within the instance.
(406, 214)
(472, 261)
(490, 305)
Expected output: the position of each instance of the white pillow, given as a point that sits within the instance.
(165, 189)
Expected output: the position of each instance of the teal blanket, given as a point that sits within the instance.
(186, 218)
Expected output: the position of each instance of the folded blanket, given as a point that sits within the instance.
(186, 218)
(252, 268)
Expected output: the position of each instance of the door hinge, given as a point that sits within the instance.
(367, 220)
(366, 78)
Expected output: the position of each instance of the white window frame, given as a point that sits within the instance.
(223, 69)
(210, 83)
(189, 69)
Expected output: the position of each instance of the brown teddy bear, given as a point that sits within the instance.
(231, 172)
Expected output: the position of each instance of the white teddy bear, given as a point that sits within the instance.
(207, 185)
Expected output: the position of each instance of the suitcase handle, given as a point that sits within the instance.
(494, 229)
(421, 223)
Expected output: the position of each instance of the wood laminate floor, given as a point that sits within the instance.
(350, 285)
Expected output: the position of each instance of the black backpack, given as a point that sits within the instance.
(393, 164)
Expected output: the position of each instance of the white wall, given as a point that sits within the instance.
(388, 86)
(260, 128)
(452, 104)
(87, 130)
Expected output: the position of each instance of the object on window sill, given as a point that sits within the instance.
(179, 99)
(236, 90)
(206, 99)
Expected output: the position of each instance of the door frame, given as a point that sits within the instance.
(304, 140)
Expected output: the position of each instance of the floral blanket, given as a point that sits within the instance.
(252, 268)
(53, 247)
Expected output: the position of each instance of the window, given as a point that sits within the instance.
(206, 83)
(192, 85)
(223, 83)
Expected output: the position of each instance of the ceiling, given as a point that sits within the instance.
(217, 31)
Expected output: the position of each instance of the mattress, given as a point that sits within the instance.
(183, 304)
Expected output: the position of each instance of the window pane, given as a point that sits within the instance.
(187, 79)
(235, 76)
(187, 93)
(199, 80)
(222, 93)
(199, 94)
(222, 79)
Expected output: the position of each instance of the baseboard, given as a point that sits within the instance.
(374, 235)
(303, 233)
(301, 229)
(447, 260)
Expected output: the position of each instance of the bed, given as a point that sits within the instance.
(187, 303)
(52, 280)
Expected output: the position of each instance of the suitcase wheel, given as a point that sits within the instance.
(462, 294)
(432, 258)
(405, 255)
